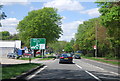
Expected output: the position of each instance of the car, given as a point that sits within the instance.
(12, 55)
(27, 54)
(38, 52)
(77, 56)
(65, 58)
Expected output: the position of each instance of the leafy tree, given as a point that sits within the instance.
(5, 35)
(57, 46)
(42, 23)
(85, 37)
(68, 47)
(110, 18)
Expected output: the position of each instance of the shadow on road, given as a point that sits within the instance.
(66, 63)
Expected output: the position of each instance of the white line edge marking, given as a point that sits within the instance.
(93, 76)
(31, 76)
(89, 73)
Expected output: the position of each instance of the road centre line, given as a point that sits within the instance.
(89, 73)
(31, 76)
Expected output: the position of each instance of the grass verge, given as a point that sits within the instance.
(46, 58)
(26, 58)
(17, 69)
(103, 60)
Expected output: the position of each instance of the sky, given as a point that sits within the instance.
(74, 12)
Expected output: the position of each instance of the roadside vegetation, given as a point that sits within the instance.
(102, 32)
(12, 71)
(40, 58)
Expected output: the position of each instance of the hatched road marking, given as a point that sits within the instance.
(89, 73)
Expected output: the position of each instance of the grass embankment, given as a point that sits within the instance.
(40, 57)
(114, 62)
(17, 69)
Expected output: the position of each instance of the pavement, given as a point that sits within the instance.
(16, 61)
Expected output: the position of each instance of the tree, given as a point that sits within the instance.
(57, 46)
(110, 18)
(5, 35)
(42, 23)
(68, 47)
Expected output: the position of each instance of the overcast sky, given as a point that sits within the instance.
(74, 12)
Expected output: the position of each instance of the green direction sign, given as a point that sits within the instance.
(37, 43)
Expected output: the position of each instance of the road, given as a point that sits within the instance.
(81, 69)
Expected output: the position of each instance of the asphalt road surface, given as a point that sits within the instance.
(79, 70)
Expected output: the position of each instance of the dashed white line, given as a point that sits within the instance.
(31, 76)
(89, 73)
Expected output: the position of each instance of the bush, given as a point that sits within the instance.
(51, 57)
(89, 55)
(110, 56)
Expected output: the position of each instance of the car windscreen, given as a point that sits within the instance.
(77, 55)
(66, 55)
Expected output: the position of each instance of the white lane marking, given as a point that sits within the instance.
(89, 73)
(99, 68)
(93, 76)
(115, 73)
(95, 66)
(101, 62)
(78, 66)
(103, 69)
(31, 76)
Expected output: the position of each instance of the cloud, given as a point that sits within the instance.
(92, 12)
(11, 2)
(33, 8)
(69, 30)
(10, 25)
(61, 5)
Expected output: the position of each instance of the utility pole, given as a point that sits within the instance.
(96, 40)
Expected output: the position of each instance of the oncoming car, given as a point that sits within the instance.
(77, 56)
(66, 58)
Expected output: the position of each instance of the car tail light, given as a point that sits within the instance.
(61, 57)
(70, 57)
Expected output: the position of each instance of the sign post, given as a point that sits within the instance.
(95, 50)
(38, 43)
